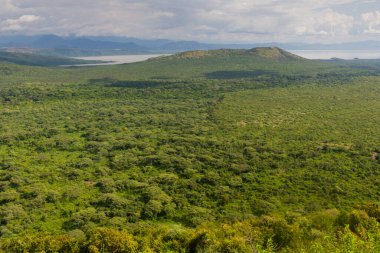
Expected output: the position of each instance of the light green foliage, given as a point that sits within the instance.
(265, 141)
(268, 234)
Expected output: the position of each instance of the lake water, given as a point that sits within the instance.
(342, 54)
(309, 54)
(117, 59)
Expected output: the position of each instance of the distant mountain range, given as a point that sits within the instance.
(102, 45)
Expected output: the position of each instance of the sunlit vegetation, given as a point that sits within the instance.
(318, 232)
(201, 152)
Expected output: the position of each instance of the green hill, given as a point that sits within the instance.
(254, 64)
(261, 53)
(207, 151)
(39, 60)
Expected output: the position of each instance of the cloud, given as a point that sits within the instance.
(206, 20)
(372, 19)
(18, 24)
(8, 5)
(9, 8)
(327, 23)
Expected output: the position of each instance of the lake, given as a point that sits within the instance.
(309, 54)
(342, 54)
(117, 59)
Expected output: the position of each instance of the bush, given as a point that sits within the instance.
(111, 241)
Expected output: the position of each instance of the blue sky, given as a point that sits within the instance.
(328, 21)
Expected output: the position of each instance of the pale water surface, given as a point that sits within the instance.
(309, 54)
(117, 59)
(342, 54)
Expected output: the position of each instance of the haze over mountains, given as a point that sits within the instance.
(103, 45)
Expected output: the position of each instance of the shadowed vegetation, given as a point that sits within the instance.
(39, 60)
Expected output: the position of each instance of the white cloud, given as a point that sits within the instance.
(372, 19)
(327, 23)
(8, 5)
(207, 20)
(18, 24)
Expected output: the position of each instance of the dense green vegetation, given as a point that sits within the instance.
(39, 60)
(221, 151)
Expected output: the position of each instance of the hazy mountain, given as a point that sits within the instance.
(17, 39)
(109, 45)
(52, 41)
(141, 42)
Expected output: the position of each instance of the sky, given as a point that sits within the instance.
(237, 21)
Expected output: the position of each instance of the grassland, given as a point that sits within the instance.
(221, 151)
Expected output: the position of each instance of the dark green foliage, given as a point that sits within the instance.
(166, 141)
(37, 60)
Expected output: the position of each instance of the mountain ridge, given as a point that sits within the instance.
(268, 53)
(30, 59)
(98, 45)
